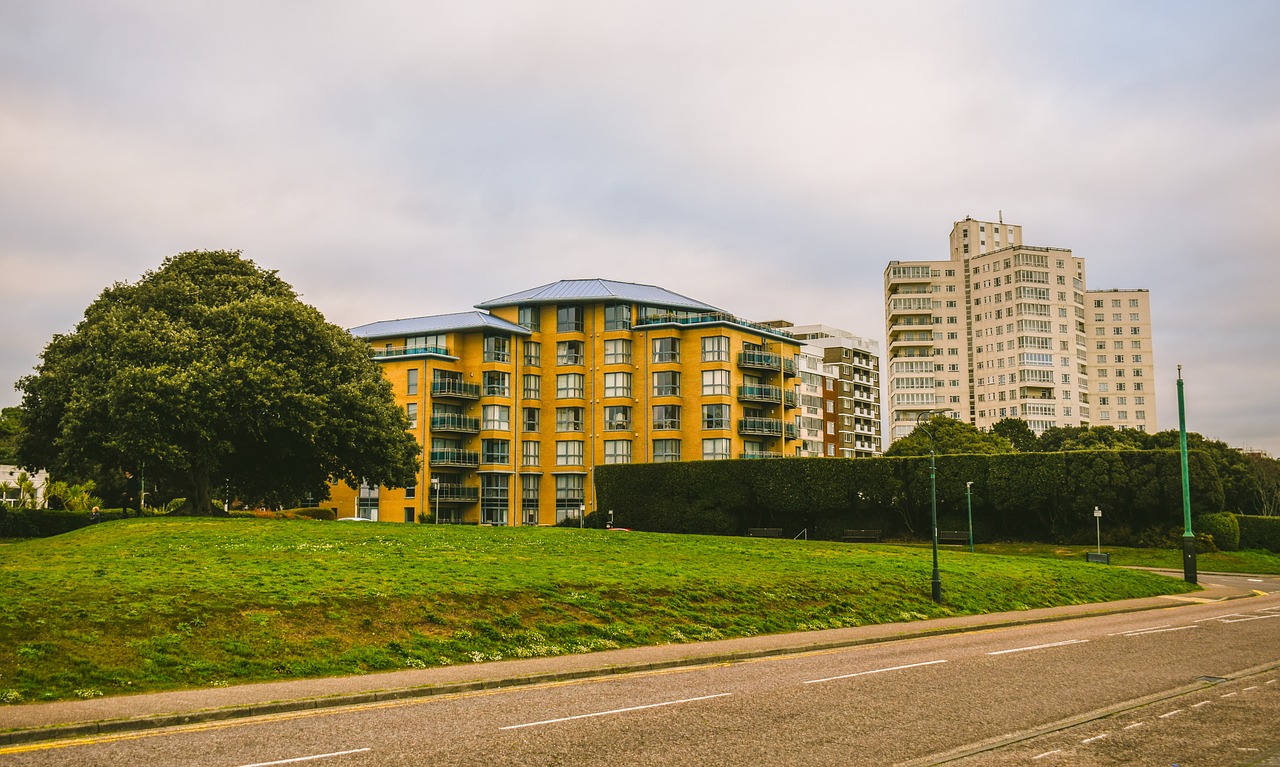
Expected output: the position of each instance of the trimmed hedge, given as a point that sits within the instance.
(1224, 528)
(1259, 532)
(1016, 496)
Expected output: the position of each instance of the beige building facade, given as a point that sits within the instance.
(1007, 330)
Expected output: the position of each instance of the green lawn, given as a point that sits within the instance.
(1257, 562)
(150, 604)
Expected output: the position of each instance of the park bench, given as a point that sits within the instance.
(764, 532)
(953, 536)
(861, 536)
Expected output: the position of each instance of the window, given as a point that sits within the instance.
(569, 496)
(496, 417)
(666, 383)
(617, 351)
(494, 498)
(497, 384)
(495, 451)
(1115, 303)
(569, 385)
(666, 416)
(617, 418)
(568, 419)
(1134, 331)
(1097, 304)
(715, 449)
(568, 319)
(529, 317)
(1137, 360)
(532, 387)
(411, 382)
(532, 419)
(715, 382)
(530, 453)
(529, 498)
(666, 450)
(497, 349)
(617, 384)
(410, 492)
(617, 317)
(617, 451)
(715, 349)
(569, 353)
(569, 452)
(1133, 303)
(666, 350)
(411, 410)
(715, 417)
(428, 344)
(367, 501)
(533, 353)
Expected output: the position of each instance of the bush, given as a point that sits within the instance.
(41, 523)
(1259, 532)
(1223, 527)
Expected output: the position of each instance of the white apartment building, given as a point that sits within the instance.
(851, 367)
(1005, 330)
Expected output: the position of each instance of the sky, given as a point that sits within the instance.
(395, 160)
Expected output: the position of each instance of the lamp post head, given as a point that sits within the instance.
(968, 484)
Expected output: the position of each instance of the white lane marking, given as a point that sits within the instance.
(1251, 618)
(1095, 737)
(614, 711)
(1158, 631)
(1216, 617)
(1229, 695)
(1272, 681)
(875, 671)
(1040, 646)
(1048, 753)
(1250, 688)
(307, 758)
(1255, 580)
(1171, 713)
(1138, 631)
(1201, 703)
(1136, 725)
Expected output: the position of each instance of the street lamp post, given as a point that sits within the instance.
(435, 490)
(1188, 539)
(968, 500)
(582, 516)
(933, 496)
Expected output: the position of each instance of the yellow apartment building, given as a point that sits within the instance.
(516, 403)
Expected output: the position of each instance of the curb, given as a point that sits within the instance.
(151, 722)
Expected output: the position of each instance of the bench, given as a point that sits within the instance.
(861, 536)
(764, 532)
(953, 536)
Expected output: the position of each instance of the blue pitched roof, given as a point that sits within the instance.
(599, 290)
(436, 323)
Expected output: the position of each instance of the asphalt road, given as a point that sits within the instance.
(1122, 689)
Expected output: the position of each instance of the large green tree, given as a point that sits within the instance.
(210, 373)
(950, 435)
(10, 428)
(1018, 433)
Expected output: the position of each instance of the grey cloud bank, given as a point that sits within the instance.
(393, 160)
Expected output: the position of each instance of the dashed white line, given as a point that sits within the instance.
(874, 671)
(1138, 631)
(1095, 737)
(1040, 646)
(1171, 713)
(1271, 681)
(1201, 703)
(1158, 631)
(614, 711)
(1048, 753)
(1136, 725)
(307, 758)
(1230, 695)
(1250, 688)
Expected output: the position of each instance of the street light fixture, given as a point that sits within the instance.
(968, 499)
(923, 423)
(435, 490)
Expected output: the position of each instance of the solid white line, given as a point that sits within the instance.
(1159, 631)
(1095, 737)
(614, 711)
(875, 671)
(1040, 646)
(1171, 713)
(307, 758)
(1048, 753)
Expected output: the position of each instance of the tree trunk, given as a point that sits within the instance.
(200, 502)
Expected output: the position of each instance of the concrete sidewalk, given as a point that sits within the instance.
(49, 721)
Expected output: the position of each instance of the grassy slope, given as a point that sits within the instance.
(158, 604)
(1262, 562)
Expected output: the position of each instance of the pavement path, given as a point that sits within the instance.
(47, 721)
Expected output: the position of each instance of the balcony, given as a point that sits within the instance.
(409, 351)
(453, 493)
(451, 456)
(455, 422)
(761, 394)
(759, 454)
(769, 427)
(760, 360)
(453, 387)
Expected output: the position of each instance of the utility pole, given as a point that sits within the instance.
(1188, 539)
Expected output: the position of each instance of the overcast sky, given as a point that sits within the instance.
(400, 159)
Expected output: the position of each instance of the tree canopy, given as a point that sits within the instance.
(209, 372)
(10, 428)
(950, 435)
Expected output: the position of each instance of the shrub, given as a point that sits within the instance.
(1259, 532)
(1224, 528)
(41, 523)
